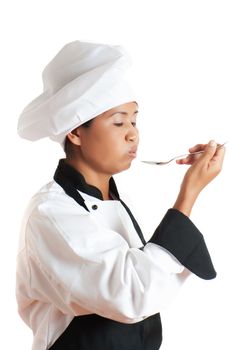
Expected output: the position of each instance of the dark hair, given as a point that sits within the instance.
(69, 144)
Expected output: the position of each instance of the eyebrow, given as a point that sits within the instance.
(122, 112)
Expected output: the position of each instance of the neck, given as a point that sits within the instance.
(99, 180)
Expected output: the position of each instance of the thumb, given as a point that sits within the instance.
(210, 150)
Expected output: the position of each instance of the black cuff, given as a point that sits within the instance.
(180, 236)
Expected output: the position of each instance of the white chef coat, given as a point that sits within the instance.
(76, 262)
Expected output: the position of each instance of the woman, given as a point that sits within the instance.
(86, 277)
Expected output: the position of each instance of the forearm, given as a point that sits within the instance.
(185, 201)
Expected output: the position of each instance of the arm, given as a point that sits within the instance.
(181, 238)
(78, 264)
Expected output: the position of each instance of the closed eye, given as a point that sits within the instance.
(121, 124)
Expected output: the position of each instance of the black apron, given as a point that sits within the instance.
(93, 332)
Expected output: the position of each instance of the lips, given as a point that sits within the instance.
(133, 152)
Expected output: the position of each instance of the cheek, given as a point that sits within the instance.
(105, 144)
(110, 142)
(109, 151)
(98, 149)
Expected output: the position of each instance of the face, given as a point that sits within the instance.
(110, 143)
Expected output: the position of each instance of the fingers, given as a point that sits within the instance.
(219, 157)
(182, 161)
(189, 160)
(211, 152)
(214, 156)
(204, 167)
(197, 148)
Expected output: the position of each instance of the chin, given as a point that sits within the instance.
(122, 168)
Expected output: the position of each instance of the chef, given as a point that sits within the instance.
(86, 277)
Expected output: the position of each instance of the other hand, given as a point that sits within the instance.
(204, 168)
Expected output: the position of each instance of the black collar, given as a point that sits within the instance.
(74, 177)
(71, 180)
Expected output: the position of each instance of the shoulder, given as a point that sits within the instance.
(51, 199)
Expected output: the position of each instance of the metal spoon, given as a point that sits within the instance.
(181, 156)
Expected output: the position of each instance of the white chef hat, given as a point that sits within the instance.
(82, 81)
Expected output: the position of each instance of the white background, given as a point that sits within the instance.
(183, 74)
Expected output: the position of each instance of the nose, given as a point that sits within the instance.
(132, 134)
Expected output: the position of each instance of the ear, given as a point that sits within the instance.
(74, 137)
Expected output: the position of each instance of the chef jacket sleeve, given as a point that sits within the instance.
(177, 234)
(78, 264)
